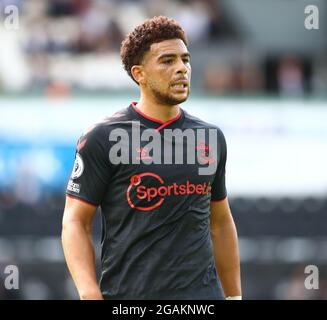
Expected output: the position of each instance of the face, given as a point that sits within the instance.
(166, 72)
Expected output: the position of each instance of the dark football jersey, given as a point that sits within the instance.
(155, 204)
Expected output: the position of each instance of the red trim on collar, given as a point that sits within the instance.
(162, 124)
(169, 122)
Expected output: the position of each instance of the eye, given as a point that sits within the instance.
(168, 61)
(186, 59)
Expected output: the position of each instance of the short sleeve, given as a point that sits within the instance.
(91, 171)
(218, 190)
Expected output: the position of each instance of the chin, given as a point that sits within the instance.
(174, 100)
(171, 99)
(179, 98)
(182, 99)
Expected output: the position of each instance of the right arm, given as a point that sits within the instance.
(85, 191)
(78, 247)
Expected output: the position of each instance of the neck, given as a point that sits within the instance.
(156, 110)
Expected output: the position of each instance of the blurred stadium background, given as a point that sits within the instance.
(257, 73)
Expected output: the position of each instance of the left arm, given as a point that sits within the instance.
(225, 247)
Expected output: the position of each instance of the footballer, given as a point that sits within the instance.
(167, 229)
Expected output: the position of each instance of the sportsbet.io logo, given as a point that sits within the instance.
(148, 190)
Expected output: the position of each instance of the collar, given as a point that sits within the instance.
(156, 123)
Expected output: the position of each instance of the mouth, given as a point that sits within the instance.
(180, 85)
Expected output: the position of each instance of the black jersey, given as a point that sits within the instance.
(156, 241)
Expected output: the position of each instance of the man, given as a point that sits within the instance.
(167, 226)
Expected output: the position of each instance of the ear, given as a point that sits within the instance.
(138, 74)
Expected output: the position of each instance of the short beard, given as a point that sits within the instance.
(166, 98)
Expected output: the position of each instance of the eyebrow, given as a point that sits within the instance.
(173, 55)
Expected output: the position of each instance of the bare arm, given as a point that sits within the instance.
(225, 247)
(78, 247)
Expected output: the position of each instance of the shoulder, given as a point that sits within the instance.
(95, 137)
(106, 124)
(197, 123)
(118, 117)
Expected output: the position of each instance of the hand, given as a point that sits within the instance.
(234, 298)
(91, 295)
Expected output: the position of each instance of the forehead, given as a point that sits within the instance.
(172, 46)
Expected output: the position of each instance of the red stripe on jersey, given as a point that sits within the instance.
(162, 123)
(81, 200)
(219, 200)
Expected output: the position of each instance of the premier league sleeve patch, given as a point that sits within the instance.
(78, 167)
(73, 187)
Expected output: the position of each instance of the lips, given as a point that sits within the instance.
(180, 84)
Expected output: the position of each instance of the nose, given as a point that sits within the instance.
(181, 67)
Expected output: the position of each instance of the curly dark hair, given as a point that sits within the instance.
(138, 42)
